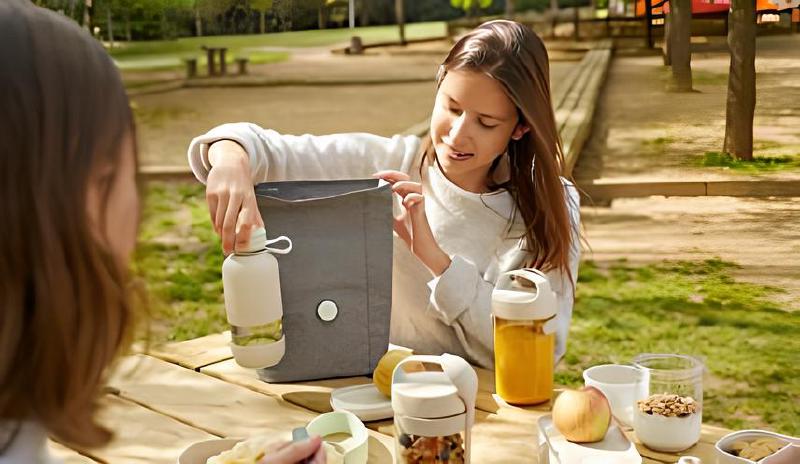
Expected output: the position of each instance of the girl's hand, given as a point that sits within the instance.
(296, 452)
(412, 225)
(230, 195)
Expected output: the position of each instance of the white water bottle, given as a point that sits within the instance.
(253, 304)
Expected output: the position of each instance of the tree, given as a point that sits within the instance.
(741, 80)
(262, 6)
(401, 19)
(679, 44)
(510, 9)
(471, 6)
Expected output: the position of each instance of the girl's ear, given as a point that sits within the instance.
(519, 131)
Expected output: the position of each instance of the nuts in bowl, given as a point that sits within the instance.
(668, 422)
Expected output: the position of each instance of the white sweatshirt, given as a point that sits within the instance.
(29, 445)
(450, 313)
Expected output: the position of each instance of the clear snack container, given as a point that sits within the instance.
(671, 417)
(434, 410)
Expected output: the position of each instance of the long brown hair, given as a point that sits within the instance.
(515, 56)
(64, 308)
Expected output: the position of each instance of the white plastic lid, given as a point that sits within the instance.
(259, 356)
(365, 401)
(434, 394)
(512, 301)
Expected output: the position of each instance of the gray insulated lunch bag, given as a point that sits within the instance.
(336, 283)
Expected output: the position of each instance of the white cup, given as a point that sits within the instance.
(622, 385)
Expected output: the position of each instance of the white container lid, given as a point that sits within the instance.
(259, 356)
(365, 401)
(512, 301)
(436, 395)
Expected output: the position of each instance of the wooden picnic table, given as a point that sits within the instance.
(160, 402)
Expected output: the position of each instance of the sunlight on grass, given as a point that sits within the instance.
(758, 164)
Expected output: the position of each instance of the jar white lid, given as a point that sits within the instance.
(512, 301)
(427, 395)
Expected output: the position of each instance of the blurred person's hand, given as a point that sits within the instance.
(296, 452)
(230, 195)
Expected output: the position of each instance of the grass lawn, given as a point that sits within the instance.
(749, 345)
(759, 163)
(145, 54)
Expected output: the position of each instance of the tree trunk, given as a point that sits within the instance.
(741, 80)
(198, 22)
(400, 15)
(363, 10)
(262, 21)
(110, 27)
(680, 47)
(322, 20)
(667, 39)
(128, 35)
(553, 17)
(576, 21)
(87, 16)
(510, 8)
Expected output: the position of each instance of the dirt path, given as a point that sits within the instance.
(643, 132)
(168, 121)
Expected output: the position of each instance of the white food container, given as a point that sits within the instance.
(789, 454)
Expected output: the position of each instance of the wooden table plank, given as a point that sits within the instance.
(218, 407)
(313, 395)
(142, 435)
(195, 353)
(66, 455)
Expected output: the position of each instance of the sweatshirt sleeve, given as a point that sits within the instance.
(275, 156)
(462, 298)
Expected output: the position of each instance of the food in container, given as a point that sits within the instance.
(670, 418)
(757, 446)
(667, 422)
(434, 410)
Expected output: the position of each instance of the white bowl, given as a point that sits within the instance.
(668, 434)
(724, 443)
(622, 385)
(199, 452)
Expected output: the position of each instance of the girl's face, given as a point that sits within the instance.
(121, 204)
(472, 122)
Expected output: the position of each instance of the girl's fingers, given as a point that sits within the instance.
(219, 215)
(391, 176)
(212, 202)
(295, 452)
(411, 201)
(404, 188)
(229, 223)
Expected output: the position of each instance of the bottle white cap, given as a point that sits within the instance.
(259, 356)
(258, 240)
(512, 301)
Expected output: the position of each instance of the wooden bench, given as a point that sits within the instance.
(575, 100)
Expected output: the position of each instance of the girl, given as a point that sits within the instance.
(481, 194)
(70, 209)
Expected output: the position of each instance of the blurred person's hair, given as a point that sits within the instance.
(514, 56)
(65, 311)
